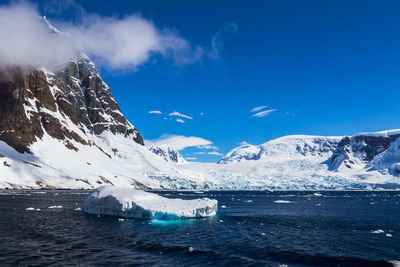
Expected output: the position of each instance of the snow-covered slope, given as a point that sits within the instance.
(168, 154)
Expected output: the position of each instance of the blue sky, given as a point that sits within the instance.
(323, 67)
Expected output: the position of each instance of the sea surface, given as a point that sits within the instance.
(281, 228)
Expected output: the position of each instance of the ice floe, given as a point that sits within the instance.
(282, 201)
(55, 207)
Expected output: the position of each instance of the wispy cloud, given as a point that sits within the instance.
(179, 120)
(255, 109)
(216, 43)
(178, 142)
(208, 147)
(263, 113)
(214, 153)
(190, 158)
(175, 113)
(155, 112)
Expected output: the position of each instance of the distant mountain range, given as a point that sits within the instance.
(367, 151)
(64, 129)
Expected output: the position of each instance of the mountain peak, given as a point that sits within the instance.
(168, 153)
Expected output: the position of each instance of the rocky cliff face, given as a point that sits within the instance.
(361, 149)
(67, 105)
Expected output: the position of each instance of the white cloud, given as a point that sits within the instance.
(190, 158)
(114, 42)
(178, 142)
(255, 109)
(175, 113)
(263, 113)
(26, 40)
(208, 147)
(155, 112)
(215, 153)
(179, 120)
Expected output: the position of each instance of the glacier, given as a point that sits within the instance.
(130, 203)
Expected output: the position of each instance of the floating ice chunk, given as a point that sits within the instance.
(191, 249)
(30, 208)
(379, 231)
(282, 201)
(317, 195)
(55, 207)
(78, 209)
(389, 235)
(223, 207)
(130, 203)
(248, 201)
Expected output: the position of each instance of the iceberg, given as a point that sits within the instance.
(131, 203)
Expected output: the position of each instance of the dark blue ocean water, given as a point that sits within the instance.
(335, 229)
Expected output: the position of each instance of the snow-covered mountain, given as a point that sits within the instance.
(241, 153)
(316, 161)
(358, 150)
(64, 129)
(168, 153)
(291, 146)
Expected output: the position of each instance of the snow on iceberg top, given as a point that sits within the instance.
(130, 203)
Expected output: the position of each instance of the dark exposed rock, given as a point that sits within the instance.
(16, 129)
(363, 147)
(33, 101)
